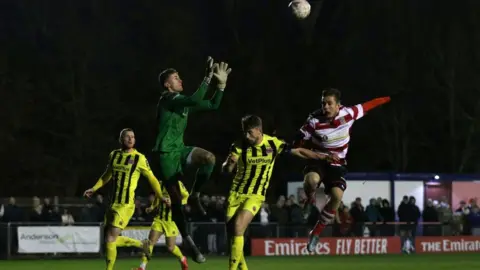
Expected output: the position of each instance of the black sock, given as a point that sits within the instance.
(230, 233)
(179, 217)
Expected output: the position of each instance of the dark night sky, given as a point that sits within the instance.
(73, 73)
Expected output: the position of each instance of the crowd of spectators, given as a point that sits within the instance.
(281, 219)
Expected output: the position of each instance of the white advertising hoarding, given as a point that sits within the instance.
(58, 239)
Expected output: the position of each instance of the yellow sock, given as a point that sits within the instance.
(144, 258)
(243, 263)
(177, 252)
(236, 252)
(123, 241)
(111, 250)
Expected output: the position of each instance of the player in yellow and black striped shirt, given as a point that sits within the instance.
(254, 157)
(164, 224)
(125, 166)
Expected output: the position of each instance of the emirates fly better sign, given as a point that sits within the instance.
(326, 246)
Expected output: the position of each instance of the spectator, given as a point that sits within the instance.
(12, 213)
(297, 219)
(48, 213)
(379, 204)
(373, 215)
(345, 220)
(464, 208)
(67, 218)
(474, 220)
(358, 215)
(214, 213)
(388, 214)
(444, 202)
(473, 203)
(430, 214)
(212, 208)
(36, 211)
(139, 214)
(403, 216)
(445, 216)
(463, 211)
(98, 210)
(414, 215)
(55, 215)
(206, 206)
(221, 237)
(216, 209)
(264, 214)
(279, 214)
(87, 214)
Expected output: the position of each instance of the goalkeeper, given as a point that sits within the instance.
(172, 115)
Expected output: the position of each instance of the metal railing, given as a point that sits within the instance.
(211, 237)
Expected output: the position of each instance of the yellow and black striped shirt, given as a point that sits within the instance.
(255, 165)
(165, 212)
(126, 169)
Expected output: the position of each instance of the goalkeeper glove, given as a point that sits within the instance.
(221, 71)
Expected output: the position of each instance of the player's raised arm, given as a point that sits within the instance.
(147, 173)
(367, 106)
(231, 162)
(359, 110)
(221, 72)
(104, 178)
(170, 80)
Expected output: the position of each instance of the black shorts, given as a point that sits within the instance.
(330, 176)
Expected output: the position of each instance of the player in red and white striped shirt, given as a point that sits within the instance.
(328, 131)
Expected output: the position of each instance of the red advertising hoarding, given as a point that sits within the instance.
(326, 246)
(447, 244)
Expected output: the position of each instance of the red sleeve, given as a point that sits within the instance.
(367, 106)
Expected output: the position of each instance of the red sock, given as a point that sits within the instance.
(326, 217)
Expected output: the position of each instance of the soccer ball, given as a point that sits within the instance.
(300, 8)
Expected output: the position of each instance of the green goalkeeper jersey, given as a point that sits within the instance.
(172, 115)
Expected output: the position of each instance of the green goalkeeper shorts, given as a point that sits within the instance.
(172, 164)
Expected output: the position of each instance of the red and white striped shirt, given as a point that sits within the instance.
(327, 135)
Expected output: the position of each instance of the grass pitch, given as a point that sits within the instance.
(375, 262)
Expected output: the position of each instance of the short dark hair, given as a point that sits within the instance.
(332, 92)
(251, 121)
(122, 134)
(164, 75)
